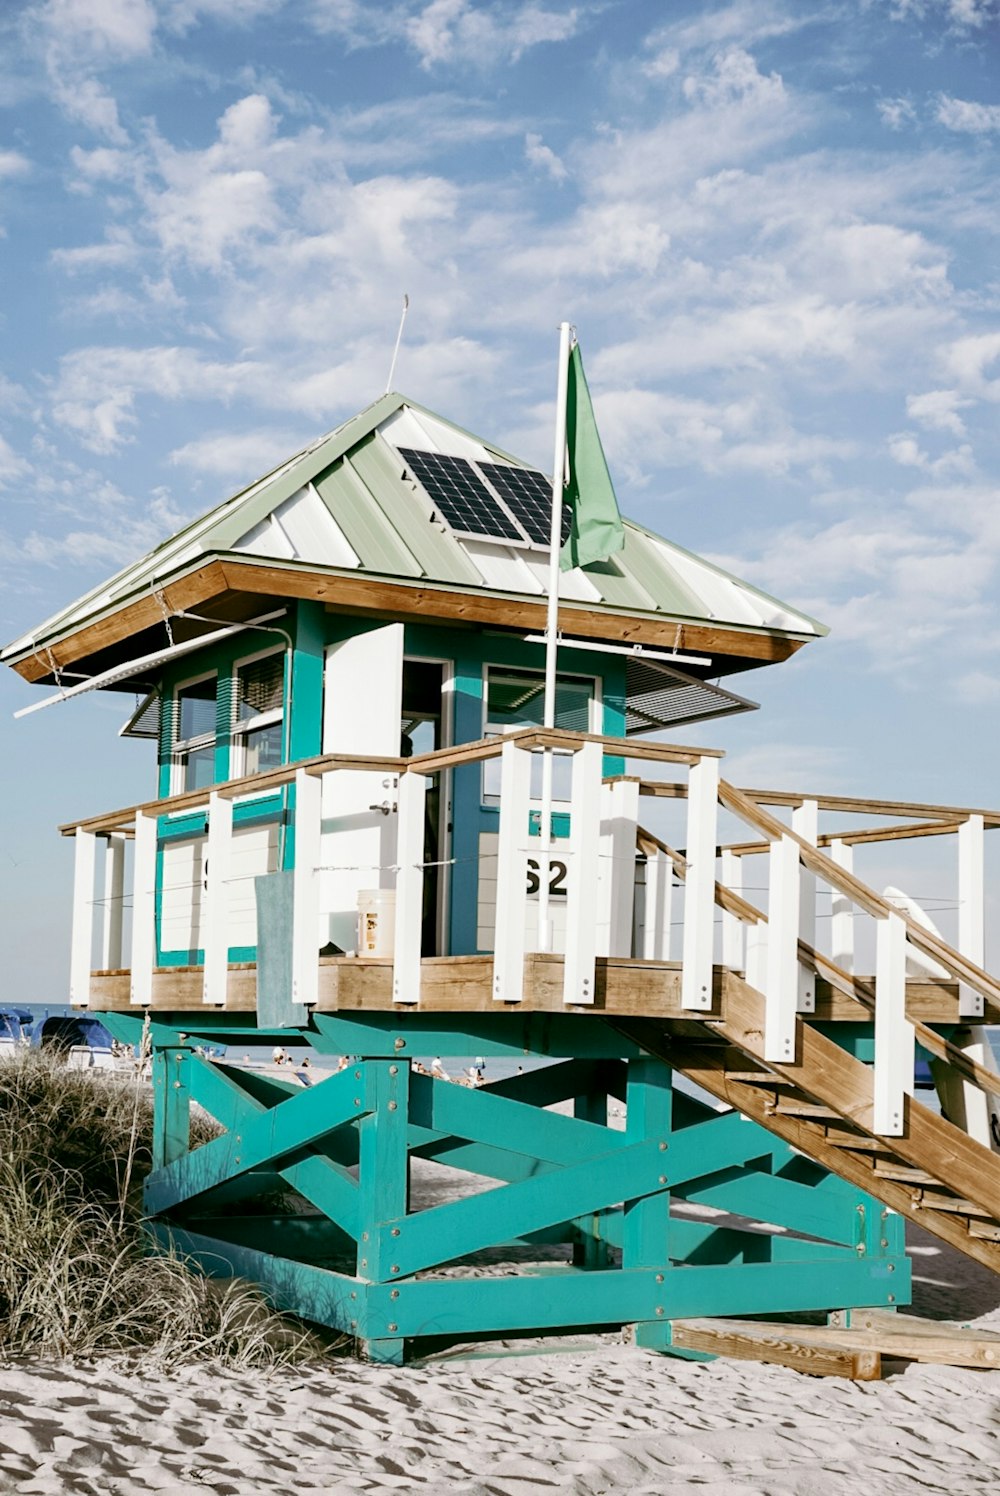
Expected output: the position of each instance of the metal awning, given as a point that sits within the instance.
(659, 695)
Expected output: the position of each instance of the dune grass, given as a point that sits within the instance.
(75, 1279)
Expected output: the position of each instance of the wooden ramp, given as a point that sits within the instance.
(853, 1344)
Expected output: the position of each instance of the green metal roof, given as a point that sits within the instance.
(348, 502)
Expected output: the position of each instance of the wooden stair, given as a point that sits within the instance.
(821, 1104)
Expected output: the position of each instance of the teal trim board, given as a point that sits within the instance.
(603, 1206)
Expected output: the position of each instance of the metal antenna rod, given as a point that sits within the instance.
(399, 339)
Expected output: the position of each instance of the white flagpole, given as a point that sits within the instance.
(552, 637)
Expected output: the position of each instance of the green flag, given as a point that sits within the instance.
(597, 530)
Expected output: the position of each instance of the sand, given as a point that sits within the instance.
(592, 1417)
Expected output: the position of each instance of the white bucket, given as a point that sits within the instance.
(376, 921)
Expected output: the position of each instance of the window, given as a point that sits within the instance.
(516, 698)
(258, 719)
(194, 734)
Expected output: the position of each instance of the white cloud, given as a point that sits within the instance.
(237, 454)
(117, 250)
(968, 117)
(100, 29)
(734, 78)
(539, 155)
(969, 359)
(12, 466)
(896, 112)
(937, 410)
(13, 164)
(907, 451)
(456, 31)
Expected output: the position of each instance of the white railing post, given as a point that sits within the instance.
(805, 823)
(114, 902)
(215, 899)
(842, 910)
(81, 941)
(756, 938)
(412, 800)
(699, 895)
(305, 887)
(733, 933)
(894, 1037)
(143, 908)
(971, 908)
(584, 849)
(781, 992)
(510, 940)
(615, 872)
(658, 907)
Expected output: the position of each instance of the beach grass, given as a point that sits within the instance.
(76, 1277)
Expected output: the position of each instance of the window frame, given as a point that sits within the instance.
(180, 748)
(239, 731)
(595, 712)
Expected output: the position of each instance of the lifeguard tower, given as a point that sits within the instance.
(341, 667)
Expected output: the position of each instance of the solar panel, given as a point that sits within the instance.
(456, 489)
(528, 495)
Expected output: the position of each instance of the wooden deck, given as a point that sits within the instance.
(624, 987)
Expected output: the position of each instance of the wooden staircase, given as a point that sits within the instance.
(821, 1104)
(821, 1100)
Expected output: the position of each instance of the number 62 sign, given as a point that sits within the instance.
(557, 877)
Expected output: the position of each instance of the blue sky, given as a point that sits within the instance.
(775, 226)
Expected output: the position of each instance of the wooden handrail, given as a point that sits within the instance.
(951, 814)
(423, 763)
(843, 981)
(856, 838)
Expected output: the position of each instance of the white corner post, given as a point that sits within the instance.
(971, 908)
(305, 887)
(552, 637)
(215, 901)
(657, 907)
(733, 934)
(805, 823)
(842, 910)
(143, 908)
(894, 1036)
(510, 940)
(699, 884)
(619, 805)
(114, 902)
(81, 939)
(412, 800)
(781, 992)
(582, 883)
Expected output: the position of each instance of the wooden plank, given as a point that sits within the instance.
(305, 916)
(935, 1344)
(112, 952)
(782, 971)
(195, 587)
(894, 1053)
(409, 888)
(511, 901)
(971, 908)
(376, 596)
(824, 1355)
(580, 966)
(215, 901)
(700, 885)
(82, 930)
(947, 816)
(143, 909)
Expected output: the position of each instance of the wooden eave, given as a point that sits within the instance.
(376, 596)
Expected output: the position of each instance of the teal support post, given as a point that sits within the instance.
(383, 1183)
(646, 1222)
(171, 1106)
(591, 1251)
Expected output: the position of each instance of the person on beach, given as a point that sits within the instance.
(437, 1069)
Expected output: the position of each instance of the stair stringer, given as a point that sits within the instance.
(823, 1073)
